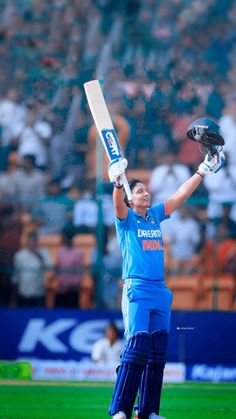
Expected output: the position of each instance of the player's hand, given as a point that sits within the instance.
(213, 164)
(116, 168)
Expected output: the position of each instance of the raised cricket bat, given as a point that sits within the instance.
(105, 126)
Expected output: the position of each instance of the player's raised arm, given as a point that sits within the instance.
(206, 132)
(116, 169)
(209, 166)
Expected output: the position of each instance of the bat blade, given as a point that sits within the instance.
(104, 125)
(98, 105)
(102, 119)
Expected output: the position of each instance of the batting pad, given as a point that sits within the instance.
(152, 378)
(133, 362)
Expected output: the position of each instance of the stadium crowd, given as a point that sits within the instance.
(162, 64)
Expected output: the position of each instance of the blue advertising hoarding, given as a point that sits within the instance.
(195, 337)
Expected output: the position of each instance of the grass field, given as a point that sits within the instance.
(57, 400)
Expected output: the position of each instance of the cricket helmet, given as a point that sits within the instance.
(206, 131)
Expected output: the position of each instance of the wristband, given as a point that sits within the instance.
(117, 186)
(200, 174)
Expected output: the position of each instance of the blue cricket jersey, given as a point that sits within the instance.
(141, 243)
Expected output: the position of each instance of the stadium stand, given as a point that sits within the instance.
(217, 293)
(185, 292)
(162, 64)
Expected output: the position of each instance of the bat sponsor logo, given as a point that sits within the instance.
(112, 144)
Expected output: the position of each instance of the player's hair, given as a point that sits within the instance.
(132, 185)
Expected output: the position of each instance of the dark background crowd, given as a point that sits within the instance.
(161, 65)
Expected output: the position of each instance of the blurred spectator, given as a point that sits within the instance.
(85, 213)
(207, 228)
(80, 144)
(29, 183)
(54, 211)
(230, 260)
(183, 239)
(221, 189)
(107, 208)
(73, 192)
(217, 255)
(11, 110)
(69, 269)
(62, 150)
(160, 99)
(207, 233)
(10, 232)
(140, 144)
(7, 187)
(188, 152)
(228, 128)
(12, 115)
(110, 266)
(215, 102)
(57, 150)
(225, 225)
(30, 266)
(107, 350)
(167, 177)
(34, 138)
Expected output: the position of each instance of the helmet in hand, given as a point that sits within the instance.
(206, 131)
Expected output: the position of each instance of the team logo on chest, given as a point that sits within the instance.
(152, 221)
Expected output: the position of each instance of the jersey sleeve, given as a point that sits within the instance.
(122, 223)
(161, 211)
(122, 226)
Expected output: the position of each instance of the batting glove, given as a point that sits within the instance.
(116, 168)
(213, 164)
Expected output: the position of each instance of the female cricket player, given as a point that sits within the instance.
(146, 301)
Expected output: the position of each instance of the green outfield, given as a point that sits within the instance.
(56, 400)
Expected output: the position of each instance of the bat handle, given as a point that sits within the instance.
(126, 186)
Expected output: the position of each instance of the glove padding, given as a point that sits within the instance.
(212, 164)
(116, 168)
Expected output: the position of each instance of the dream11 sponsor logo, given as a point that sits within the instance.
(80, 337)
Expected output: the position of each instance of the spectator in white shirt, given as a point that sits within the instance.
(221, 189)
(228, 128)
(54, 210)
(34, 139)
(183, 239)
(12, 115)
(85, 213)
(109, 348)
(29, 183)
(30, 266)
(167, 177)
